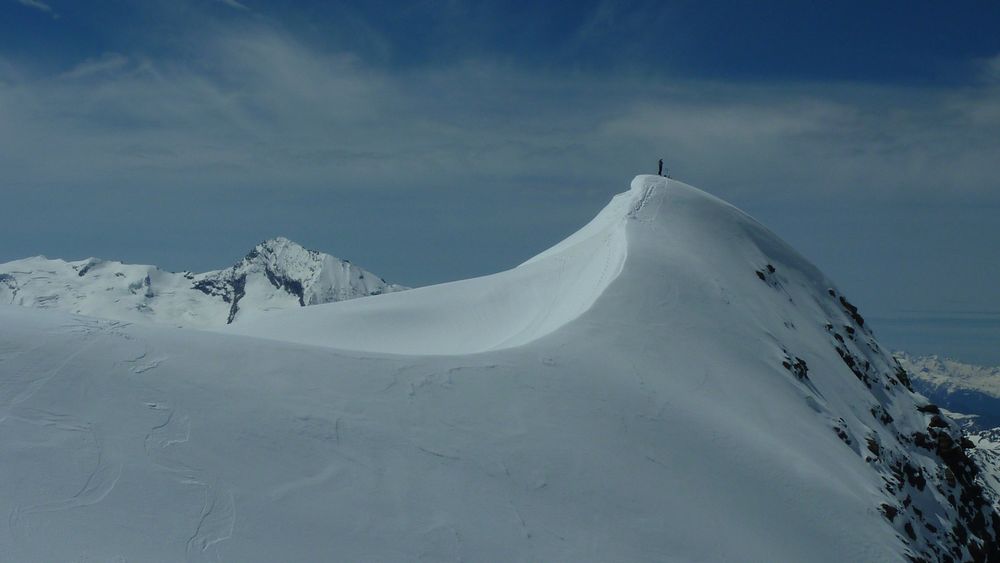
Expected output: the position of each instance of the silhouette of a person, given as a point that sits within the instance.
(660, 172)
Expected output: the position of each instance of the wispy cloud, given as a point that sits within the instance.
(259, 108)
(234, 4)
(38, 5)
(989, 69)
(108, 63)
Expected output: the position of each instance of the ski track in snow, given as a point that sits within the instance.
(329, 472)
(217, 519)
(338, 464)
(152, 364)
(636, 212)
(38, 383)
(100, 482)
(46, 418)
(104, 476)
(216, 523)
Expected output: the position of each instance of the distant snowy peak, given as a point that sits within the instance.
(312, 276)
(966, 388)
(279, 273)
(276, 274)
(951, 375)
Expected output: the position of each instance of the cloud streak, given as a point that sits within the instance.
(234, 4)
(260, 108)
(38, 5)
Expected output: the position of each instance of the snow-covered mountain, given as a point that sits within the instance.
(276, 274)
(670, 383)
(952, 375)
(970, 389)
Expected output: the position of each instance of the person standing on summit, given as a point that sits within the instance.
(660, 172)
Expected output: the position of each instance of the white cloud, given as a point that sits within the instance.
(38, 5)
(234, 4)
(107, 63)
(989, 69)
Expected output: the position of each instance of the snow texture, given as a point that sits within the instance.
(671, 383)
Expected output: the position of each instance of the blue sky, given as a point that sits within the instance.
(431, 141)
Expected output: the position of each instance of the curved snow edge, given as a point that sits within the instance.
(494, 312)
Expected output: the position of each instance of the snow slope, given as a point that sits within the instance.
(492, 312)
(672, 383)
(276, 274)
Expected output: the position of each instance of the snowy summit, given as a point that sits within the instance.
(670, 383)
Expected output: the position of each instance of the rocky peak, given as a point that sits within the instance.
(309, 276)
(277, 273)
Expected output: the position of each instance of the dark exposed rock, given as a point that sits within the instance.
(852, 363)
(873, 447)
(937, 422)
(852, 311)
(86, 268)
(923, 440)
(217, 287)
(903, 377)
(842, 433)
(881, 415)
(292, 286)
(914, 476)
(797, 366)
(889, 512)
(239, 290)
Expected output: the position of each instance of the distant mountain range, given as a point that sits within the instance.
(276, 274)
(960, 387)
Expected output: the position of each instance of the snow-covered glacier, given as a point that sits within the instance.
(671, 383)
